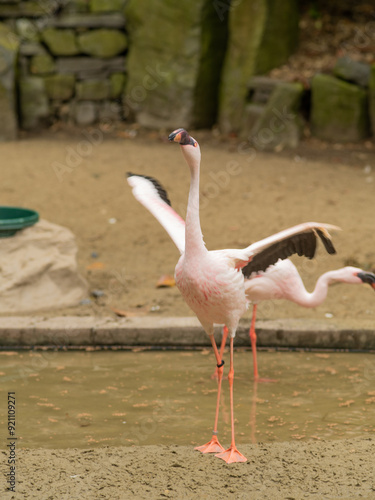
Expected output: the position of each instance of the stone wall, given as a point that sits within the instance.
(71, 59)
(171, 64)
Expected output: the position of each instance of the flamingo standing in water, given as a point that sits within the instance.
(213, 282)
(282, 281)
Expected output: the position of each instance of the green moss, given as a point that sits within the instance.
(372, 98)
(102, 42)
(61, 42)
(213, 46)
(60, 87)
(94, 90)
(42, 64)
(339, 110)
(117, 84)
(280, 35)
(106, 5)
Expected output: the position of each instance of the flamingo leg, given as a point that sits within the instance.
(231, 454)
(253, 340)
(213, 446)
(215, 375)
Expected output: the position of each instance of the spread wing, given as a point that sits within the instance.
(151, 194)
(301, 239)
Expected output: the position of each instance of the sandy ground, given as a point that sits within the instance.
(78, 181)
(310, 470)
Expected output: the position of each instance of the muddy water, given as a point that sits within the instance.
(85, 399)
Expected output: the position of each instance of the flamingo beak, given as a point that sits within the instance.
(182, 138)
(176, 136)
(367, 278)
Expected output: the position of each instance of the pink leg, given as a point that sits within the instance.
(222, 347)
(231, 454)
(253, 340)
(213, 446)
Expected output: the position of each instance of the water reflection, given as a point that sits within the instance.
(85, 399)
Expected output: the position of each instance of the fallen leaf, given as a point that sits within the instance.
(347, 403)
(124, 314)
(95, 265)
(166, 280)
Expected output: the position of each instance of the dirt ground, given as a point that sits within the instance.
(78, 180)
(310, 470)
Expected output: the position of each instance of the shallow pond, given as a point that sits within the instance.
(83, 399)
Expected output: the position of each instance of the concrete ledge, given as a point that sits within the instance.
(152, 330)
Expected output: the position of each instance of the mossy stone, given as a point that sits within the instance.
(93, 90)
(262, 35)
(280, 123)
(117, 84)
(163, 61)
(372, 98)
(42, 64)
(9, 46)
(27, 30)
(61, 42)
(102, 42)
(339, 110)
(34, 104)
(106, 5)
(60, 87)
(280, 35)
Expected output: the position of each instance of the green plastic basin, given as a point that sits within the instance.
(12, 219)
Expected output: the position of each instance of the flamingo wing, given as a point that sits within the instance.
(301, 239)
(151, 194)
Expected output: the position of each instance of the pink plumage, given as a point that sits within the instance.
(213, 283)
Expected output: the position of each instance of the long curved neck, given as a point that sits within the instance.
(320, 292)
(193, 234)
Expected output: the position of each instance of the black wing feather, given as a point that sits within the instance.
(303, 244)
(159, 188)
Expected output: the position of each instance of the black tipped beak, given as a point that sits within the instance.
(367, 278)
(176, 135)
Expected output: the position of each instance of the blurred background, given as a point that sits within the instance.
(303, 66)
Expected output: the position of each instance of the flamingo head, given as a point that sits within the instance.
(182, 138)
(367, 277)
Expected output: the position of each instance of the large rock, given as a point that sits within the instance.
(39, 270)
(102, 43)
(34, 104)
(262, 35)
(163, 61)
(339, 110)
(372, 98)
(8, 60)
(279, 124)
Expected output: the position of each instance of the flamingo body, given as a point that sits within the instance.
(282, 281)
(213, 283)
(213, 289)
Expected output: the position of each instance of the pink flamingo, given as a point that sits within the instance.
(213, 282)
(282, 281)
